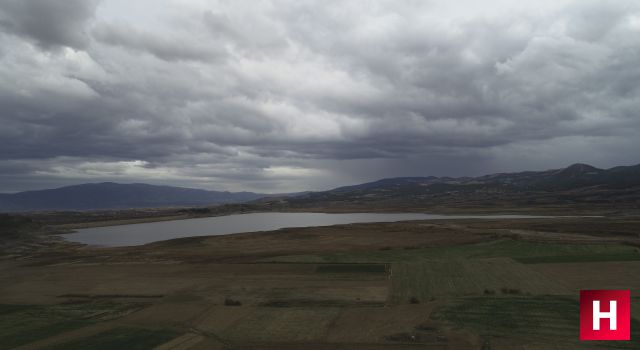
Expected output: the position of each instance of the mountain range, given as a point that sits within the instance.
(576, 184)
(109, 195)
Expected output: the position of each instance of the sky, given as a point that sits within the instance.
(283, 96)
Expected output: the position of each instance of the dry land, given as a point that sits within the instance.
(464, 284)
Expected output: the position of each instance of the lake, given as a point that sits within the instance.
(137, 234)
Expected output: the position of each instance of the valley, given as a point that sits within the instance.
(434, 284)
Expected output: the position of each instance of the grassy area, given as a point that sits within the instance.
(635, 307)
(8, 309)
(546, 320)
(120, 338)
(434, 278)
(27, 332)
(351, 268)
(579, 258)
(490, 249)
(318, 303)
(553, 318)
(22, 324)
(267, 324)
(13, 226)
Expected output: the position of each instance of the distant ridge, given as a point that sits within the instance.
(109, 195)
(577, 183)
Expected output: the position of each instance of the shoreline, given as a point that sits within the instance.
(184, 214)
(142, 236)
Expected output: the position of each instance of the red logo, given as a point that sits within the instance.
(605, 315)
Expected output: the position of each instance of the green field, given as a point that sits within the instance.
(23, 324)
(434, 278)
(527, 317)
(351, 268)
(120, 338)
(317, 303)
(554, 259)
(292, 324)
(489, 249)
(537, 319)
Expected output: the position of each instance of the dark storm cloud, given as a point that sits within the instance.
(293, 95)
(48, 23)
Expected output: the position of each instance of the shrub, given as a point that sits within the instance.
(231, 302)
(506, 290)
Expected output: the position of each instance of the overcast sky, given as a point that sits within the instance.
(278, 96)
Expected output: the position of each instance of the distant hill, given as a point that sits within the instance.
(578, 183)
(109, 195)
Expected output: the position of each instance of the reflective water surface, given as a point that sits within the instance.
(136, 234)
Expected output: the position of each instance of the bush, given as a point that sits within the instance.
(506, 290)
(489, 292)
(414, 300)
(231, 302)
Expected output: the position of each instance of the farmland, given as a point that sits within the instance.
(434, 285)
(441, 278)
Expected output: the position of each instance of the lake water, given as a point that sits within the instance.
(136, 234)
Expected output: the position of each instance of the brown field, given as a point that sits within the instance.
(433, 285)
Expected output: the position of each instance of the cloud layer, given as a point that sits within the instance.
(292, 95)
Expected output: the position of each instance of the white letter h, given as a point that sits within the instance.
(598, 315)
